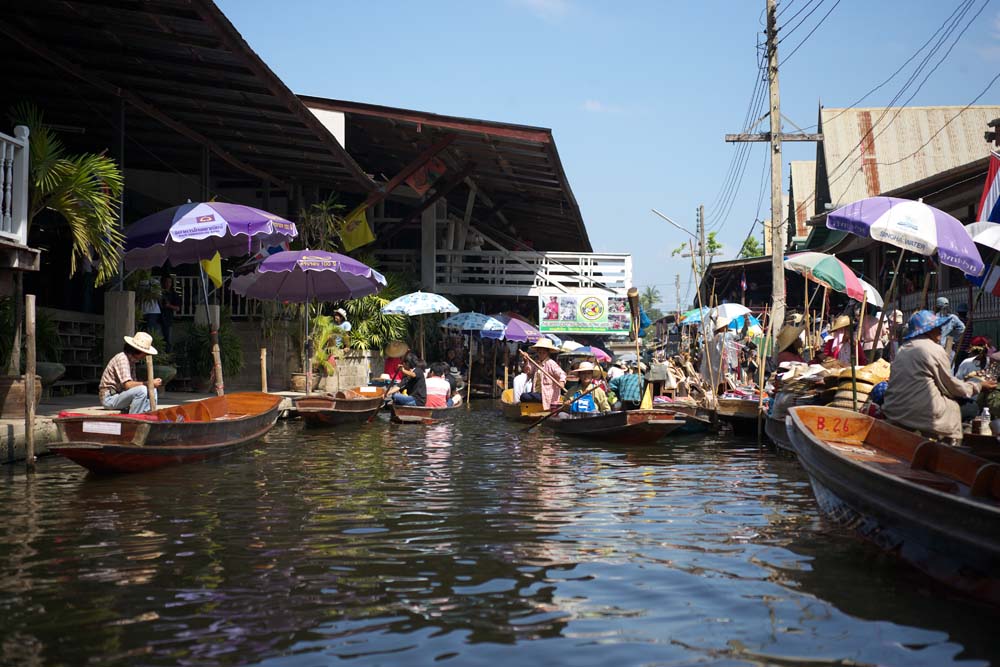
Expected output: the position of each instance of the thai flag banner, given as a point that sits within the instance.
(989, 204)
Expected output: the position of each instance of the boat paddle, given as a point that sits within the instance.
(561, 408)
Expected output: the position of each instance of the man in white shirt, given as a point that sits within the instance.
(617, 370)
(522, 381)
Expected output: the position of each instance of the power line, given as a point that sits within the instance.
(793, 28)
(804, 39)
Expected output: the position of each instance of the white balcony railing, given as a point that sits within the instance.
(987, 308)
(14, 186)
(189, 287)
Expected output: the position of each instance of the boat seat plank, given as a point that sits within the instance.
(985, 483)
(924, 478)
(945, 460)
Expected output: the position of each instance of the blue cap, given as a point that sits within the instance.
(921, 322)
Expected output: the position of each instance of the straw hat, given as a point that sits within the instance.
(341, 312)
(841, 322)
(787, 336)
(384, 376)
(396, 348)
(545, 344)
(142, 342)
(585, 367)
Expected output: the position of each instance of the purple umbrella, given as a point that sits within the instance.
(190, 232)
(303, 275)
(516, 330)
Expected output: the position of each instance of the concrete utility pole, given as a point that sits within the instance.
(677, 287)
(702, 249)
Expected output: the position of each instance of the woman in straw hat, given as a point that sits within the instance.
(394, 352)
(838, 347)
(790, 344)
(550, 378)
(922, 392)
(118, 388)
(589, 398)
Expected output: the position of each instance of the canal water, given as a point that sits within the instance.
(469, 543)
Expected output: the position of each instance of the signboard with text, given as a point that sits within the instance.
(595, 313)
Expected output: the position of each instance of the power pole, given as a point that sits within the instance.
(775, 137)
(677, 286)
(702, 249)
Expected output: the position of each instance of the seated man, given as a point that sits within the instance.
(523, 382)
(118, 389)
(439, 390)
(414, 383)
(628, 388)
(588, 398)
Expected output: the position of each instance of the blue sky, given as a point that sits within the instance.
(639, 94)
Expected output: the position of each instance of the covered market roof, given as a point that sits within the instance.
(802, 194)
(522, 188)
(870, 151)
(188, 80)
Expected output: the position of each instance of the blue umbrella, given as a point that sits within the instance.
(419, 303)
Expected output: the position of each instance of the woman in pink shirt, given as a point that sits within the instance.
(553, 378)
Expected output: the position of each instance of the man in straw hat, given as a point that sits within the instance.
(118, 388)
(394, 352)
(922, 392)
(550, 376)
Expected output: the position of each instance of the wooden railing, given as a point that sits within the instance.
(14, 185)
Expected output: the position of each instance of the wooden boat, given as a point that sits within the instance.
(740, 414)
(414, 414)
(632, 427)
(778, 434)
(984, 446)
(189, 432)
(698, 420)
(523, 412)
(934, 505)
(352, 406)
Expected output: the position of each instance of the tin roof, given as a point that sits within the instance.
(187, 78)
(517, 167)
(869, 151)
(802, 194)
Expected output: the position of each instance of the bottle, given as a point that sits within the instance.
(986, 414)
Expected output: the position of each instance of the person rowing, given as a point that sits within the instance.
(550, 379)
(588, 399)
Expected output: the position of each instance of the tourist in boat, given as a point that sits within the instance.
(414, 382)
(628, 388)
(922, 392)
(550, 378)
(952, 329)
(838, 347)
(589, 398)
(439, 390)
(523, 380)
(118, 388)
(790, 344)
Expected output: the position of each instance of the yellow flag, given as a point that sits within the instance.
(213, 269)
(647, 398)
(356, 232)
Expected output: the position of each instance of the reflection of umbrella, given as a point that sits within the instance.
(419, 303)
(910, 225)
(303, 275)
(195, 231)
(828, 271)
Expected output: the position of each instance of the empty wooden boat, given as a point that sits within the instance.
(934, 505)
(350, 406)
(189, 432)
(415, 414)
(522, 411)
(632, 427)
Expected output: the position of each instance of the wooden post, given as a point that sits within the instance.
(704, 334)
(263, 370)
(822, 316)
(29, 381)
(150, 385)
(493, 372)
(468, 389)
(423, 355)
(887, 300)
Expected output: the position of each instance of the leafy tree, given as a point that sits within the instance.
(751, 248)
(712, 244)
(648, 299)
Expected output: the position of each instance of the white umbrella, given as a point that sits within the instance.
(871, 294)
(570, 345)
(724, 313)
(985, 233)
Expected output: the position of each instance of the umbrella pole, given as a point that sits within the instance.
(213, 335)
(822, 314)
(861, 320)
(423, 355)
(704, 335)
(468, 388)
(854, 366)
(493, 372)
(807, 301)
(309, 355)
(888, 298)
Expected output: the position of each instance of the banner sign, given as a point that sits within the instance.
(584, 313)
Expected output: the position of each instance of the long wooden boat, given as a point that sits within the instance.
(778, 434)
(632, 427)
(934, 505)
(523, 411)
(415, 414)
(740, 414)
(351, 406)
(189, 432)
(698, 420)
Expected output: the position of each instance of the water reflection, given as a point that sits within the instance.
(466, 540)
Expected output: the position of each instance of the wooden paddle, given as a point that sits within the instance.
(561, 408)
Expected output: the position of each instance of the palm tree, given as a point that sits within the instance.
(650, 297)
(84, 190)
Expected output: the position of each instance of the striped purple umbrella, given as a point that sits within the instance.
(516, 330)
(303, 275)
(910, 225)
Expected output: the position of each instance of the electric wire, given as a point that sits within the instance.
(810, 34)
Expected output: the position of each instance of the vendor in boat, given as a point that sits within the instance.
(118, 388)
(394, 352)
(628, 387)
(589, 398)
(922, 393)
(789, 344)
(723, 342)
(414, 383)
(549, 377)
(838, 347)
(978, 359)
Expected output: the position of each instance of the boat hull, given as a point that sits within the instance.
(740, 414)
(414, 414)
(778, 434)
(190, 432)
(353, 408)
(521, 412)
(634, 427)
(950, 537)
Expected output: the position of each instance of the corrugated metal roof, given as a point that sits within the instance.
(869, 151)
(802, 194)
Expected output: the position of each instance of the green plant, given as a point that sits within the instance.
(319, 225)
(197, 352)
(46, 334)
(751, 248)
(371, 329)
(329, 340)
